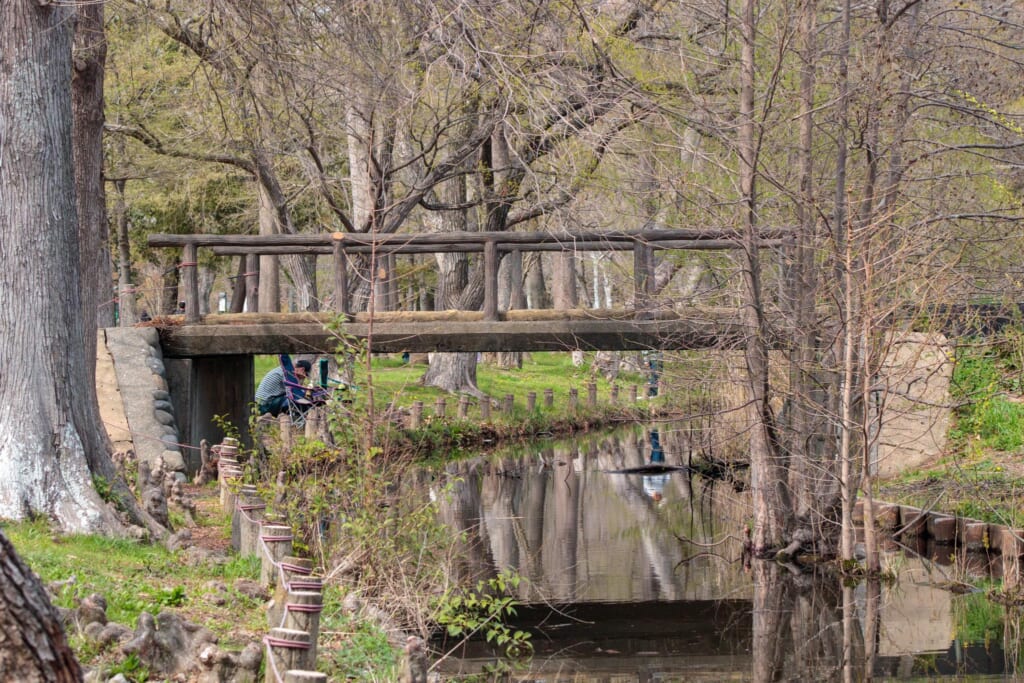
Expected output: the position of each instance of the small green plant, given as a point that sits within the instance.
(103, 488)
(485, 610)
(131, 668)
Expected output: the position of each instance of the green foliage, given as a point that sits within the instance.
(356, 649)
(103, 488)
(131, 668)
(132, 577)
(485, 610)
(981, 380)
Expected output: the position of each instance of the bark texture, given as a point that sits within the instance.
(47, 419)
(32, 643)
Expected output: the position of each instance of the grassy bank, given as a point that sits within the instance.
(981, 474)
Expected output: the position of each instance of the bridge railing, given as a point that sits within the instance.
(340, 245)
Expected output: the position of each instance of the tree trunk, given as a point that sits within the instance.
(510, 297)
(89, 57)
(32, 643)
(269, 294)
(564, 292)
(536, 295)
(452, 372)
(128, 312)
(97, 291)
(771, 507)
(48, 415)
(804, 475)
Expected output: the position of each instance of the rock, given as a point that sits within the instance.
(155, 504)
(165, 406)
(252, 589)
(92, 609)
(167, 644)
(179, 540)
(224, 667)
(104, 636)
(173, 460)
(160, 395)
(155, 365)
(163, 417)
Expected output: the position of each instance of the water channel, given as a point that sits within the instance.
(634, 574)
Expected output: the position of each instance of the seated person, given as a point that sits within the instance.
(271, 394)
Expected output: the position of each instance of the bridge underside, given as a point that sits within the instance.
(546, 330)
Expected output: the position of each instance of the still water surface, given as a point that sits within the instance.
(634, 574)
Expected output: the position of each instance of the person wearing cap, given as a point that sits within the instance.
(271, 394)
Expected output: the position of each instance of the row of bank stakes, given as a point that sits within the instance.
(293, 613)
(507, 405)
(985, 549)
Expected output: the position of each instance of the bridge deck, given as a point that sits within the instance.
(519, 330)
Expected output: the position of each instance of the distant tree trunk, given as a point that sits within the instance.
(32, 643)
(48, 415)
(510, 296)
(238, 287)
(804, 477)
(769, 496)
(270, 279)
(452, 372)
(564, 293)
(125, 282)
(169, 280)
(535, 291)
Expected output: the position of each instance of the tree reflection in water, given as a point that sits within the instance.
(651, 589)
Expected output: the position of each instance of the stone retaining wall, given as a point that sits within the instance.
(134, 399)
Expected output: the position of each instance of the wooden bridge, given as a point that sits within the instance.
(645, 325)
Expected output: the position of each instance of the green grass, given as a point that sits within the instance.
(983, 378)
(137, 577)
(398, 382)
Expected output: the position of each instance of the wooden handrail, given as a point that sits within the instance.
(492, 244)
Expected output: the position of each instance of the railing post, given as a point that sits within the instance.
(549, 398)
(592, 393)
(190, 278)
(490, 280)
(275, 544)
(341, 303)
(288, 650)
(531, 401)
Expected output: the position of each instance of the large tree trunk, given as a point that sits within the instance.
(47, 394)
(32, 643)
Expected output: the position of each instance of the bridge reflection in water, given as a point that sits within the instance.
(637, 577)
